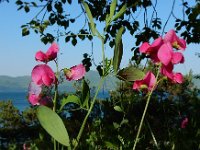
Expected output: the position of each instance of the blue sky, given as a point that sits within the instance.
(17, 52)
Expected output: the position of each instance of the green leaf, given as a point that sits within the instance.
(25, 31)
(124, 121)
(118, 108)
(74, 41)
(120, 13)
(19, 2)
(110, 145)
(118, 51)
(53, 124)
(26, 8)
(70, 99)
(116, 125)
(112, 9)
(34, 4)
(90, 17)
(85, 94)
(69, 1)
(130, 74)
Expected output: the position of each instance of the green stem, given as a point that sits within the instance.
(56, 88)
(103, 54)
(152, 134)
(145, 110)
(55, 98)
(88, 113)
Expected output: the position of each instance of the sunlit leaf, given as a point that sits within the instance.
(70, 99)
(85, 94)
(118, 108)
(110, 145)
(118, 51)
(53, 124)
(120, 13)
(130, 74)
(112, 9)
(90, 17)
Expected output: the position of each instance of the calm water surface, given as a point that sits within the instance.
(18, 98)
(20, 101)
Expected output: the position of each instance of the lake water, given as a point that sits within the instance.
(20, 101)
(18, 98)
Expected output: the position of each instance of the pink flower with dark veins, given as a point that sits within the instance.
(148, 82)
(75, 73)
(43, 75)
(51, 54)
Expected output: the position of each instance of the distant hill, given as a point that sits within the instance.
(14, 84)
(20, 84)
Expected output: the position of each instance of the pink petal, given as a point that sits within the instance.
(52, 51)
(34, 89)
(47, 80)
(145, 48)
(165, 53)
(46, 101)
(36, 75)
(137, 84)
(149, 80)
(157, 43)
(170, 37)
(34, 99)
(178, 77)
(184, 123)
(40, 56)
(43, 74)
(77, 72)
(177, 57)
(167, 70)
(154, 57)
(182, 44)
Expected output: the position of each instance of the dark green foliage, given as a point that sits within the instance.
(58, 15)
(113, 123)
(87, 62)
(17, 128)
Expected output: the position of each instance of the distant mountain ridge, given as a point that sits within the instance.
(20, 84)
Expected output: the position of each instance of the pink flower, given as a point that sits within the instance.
(43, 75)
(176, 42)
(25, 147)
(51, 54)
(75, 72)
(147, 83)
(34, 99)
(168, 72)
(34, 92)
(34, 88)
(166, 55)
(46, 101)
(178, 78)
(152, 49)
(36, 96)
(184, 123)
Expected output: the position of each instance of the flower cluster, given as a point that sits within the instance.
(42, 75)
(164, 51)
